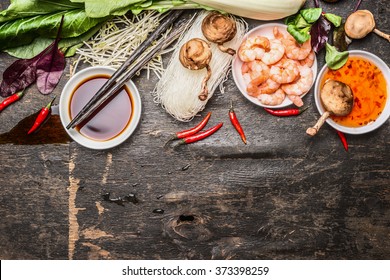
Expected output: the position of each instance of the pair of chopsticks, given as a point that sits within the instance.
(125, 72)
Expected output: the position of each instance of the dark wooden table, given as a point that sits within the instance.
(282, 196)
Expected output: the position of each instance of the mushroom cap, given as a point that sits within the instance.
(218, 28)
(195, 54)
(337, 98)
(359, 24)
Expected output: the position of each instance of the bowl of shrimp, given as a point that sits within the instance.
(271, 69)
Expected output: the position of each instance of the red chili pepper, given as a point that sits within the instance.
(200, 135)
(343, 139)
(42, 116)
(191, 131)
(11, 99)
(236, 123)
(195, 129)
(286, 112)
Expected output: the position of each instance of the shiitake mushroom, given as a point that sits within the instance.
(219, 29)
(196, 54)
(360, 23)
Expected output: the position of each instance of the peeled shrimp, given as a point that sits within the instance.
(275, 52)
(296, 51)
(309, 60)
(272, 99)
(296, 99)
(285, 71)
(253, 48)
(268, 87)
(302, 85)
(258, 73)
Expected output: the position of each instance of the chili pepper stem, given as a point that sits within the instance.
(48, 106)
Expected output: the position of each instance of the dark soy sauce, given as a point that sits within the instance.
(51, 132)
(113, 116)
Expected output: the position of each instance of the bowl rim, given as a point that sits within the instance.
(238, 80)
(386, 111)
(75, 134)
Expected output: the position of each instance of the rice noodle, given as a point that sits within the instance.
(118, 38)
(178, 89)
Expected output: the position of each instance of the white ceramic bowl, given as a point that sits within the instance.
(386, 111)
(83, 140)
(267, 31)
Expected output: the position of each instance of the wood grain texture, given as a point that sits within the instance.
(282, 196)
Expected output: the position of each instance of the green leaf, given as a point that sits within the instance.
(334, 59)
(311, 15)
(23, 31)
(27, 8)
(335, 19)
(300, 35)
(40, 43)
(103, 8)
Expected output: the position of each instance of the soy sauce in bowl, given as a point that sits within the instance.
(111, 119)
(113, 123)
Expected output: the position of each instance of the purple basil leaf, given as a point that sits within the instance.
(50, 66)
(319, 33)
(18, 76)
(49, 71)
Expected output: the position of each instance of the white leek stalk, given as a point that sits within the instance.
(256, 9)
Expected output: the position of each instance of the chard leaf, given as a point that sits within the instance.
(27, 8)
(40, 43)
(104, 8)
(23, 31)
(319, 33)
(335, 19)
(334, 59)
(50, 66)
(311, 15)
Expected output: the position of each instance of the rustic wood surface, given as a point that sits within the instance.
(282, 196)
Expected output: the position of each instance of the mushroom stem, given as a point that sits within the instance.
(313, 130)
(205, 92)
(382, 34)
(226, 50)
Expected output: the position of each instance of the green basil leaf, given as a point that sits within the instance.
(335, 19)
(291, 20)
(300, 22)
(300, 35)
(27, 8)
(311, 15)
(334, 59)
(23, 31)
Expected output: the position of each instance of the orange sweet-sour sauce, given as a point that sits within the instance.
(369, 89)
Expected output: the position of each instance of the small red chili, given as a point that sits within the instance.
(195, 129)
(236, 123)
(201, 135)
(286, 112)
(11, 99)
(42, 116)
(343, 139)
(191, 131)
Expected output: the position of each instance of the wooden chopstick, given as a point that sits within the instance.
(168, 20)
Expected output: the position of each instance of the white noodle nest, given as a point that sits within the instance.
(177, 90)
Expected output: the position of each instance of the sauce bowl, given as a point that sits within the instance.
(381, 119)
(109, 115)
